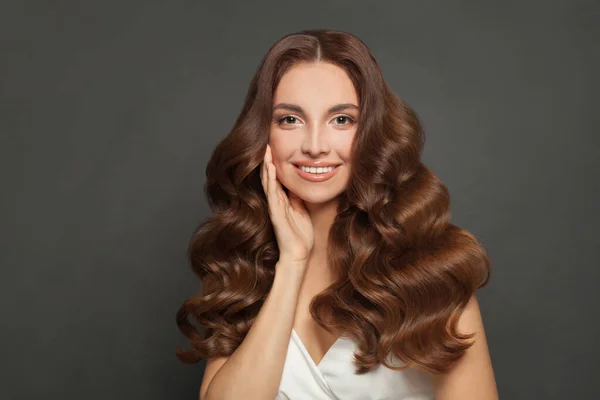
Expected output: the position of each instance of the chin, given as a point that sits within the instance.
(314, 192)
(325, 195)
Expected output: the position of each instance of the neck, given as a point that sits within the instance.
(322, 216)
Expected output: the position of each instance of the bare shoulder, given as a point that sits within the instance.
(472, 377)
(213, 365)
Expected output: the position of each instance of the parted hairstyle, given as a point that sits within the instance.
(404, 272)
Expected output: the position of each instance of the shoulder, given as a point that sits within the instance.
(472, 377)
(471, 320)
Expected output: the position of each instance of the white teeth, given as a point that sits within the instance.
(317, 170)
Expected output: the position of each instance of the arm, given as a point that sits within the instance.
(255, 368)
(472, 378)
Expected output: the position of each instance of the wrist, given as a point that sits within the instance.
(290, 273)
(289, 260)
(291, 263)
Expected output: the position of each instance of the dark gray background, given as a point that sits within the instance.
(109, 112)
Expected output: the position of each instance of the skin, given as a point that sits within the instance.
(305, 128)
(317, 134)
(302, 219)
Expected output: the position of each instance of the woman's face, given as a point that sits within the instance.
(315, 115)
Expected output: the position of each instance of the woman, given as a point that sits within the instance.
(330, 268)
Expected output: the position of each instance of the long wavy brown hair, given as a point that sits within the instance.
(404, 272)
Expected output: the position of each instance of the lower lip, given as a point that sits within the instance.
(316, 177)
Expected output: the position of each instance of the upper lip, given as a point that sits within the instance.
(315, 164)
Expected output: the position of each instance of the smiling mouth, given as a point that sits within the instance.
(316, 170)
(318, 174)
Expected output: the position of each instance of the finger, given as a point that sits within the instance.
(282, 196)
(268, 155)
(279, 189)
(263, 176)
(296, 202)
(271, 182)
(263, 172)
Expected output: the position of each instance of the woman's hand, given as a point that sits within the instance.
(290, 219)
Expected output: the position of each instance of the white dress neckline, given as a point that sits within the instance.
(305, 350)
(334, 377)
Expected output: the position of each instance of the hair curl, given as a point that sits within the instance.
(404, 272)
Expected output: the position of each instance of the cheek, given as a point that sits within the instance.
(343, 147)
(284, 143)
(280, 148)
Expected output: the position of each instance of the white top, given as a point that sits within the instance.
(334, 378)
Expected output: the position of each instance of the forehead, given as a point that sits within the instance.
(315, 86)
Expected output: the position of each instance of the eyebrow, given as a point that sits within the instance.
(298, 109)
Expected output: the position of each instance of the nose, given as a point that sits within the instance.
(316, 142)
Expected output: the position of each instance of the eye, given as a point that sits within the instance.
(287, 118)
(292, 120)
(344, 118)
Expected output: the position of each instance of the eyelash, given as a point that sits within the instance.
(280, 120)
